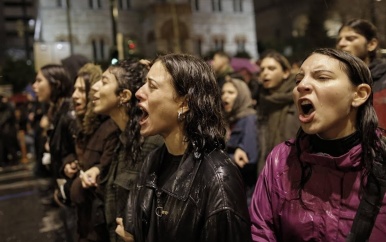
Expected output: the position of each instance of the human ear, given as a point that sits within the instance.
(372, 44)
(361, 95)
(125, 96)
(184, 106)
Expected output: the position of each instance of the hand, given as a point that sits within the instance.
(127, 237)
(70, 169)
(89, 177)
(241, 157)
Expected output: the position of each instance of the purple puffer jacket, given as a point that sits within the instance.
(330, 197)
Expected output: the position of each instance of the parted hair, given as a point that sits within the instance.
(194, 80)
(373, 145)
(130, 74)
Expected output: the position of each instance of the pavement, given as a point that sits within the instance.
(23, 217)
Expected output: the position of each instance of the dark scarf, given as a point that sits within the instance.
(270, 102)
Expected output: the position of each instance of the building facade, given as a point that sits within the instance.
(17, 21)
(288, 25)
(99, 28)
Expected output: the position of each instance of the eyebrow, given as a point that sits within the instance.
(150, 79)
(322, 70)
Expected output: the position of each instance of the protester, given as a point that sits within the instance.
(188, 189)
(221, 65)
(312, 186)
(96, 139)
(241, 138)
(276, 109)
(114, 96)
(53, 86)
(359, 37)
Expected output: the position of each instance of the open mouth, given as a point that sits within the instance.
(307, 107)
(144, 116)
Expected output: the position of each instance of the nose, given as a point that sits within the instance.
(97, 85)
(304, 86)
(75, 94)
(341, 43)
(139, 93)
(34, 86)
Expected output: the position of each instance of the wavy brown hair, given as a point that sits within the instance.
(194, 80)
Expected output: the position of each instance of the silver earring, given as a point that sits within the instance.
(179, 116)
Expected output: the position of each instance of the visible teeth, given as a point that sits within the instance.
(305, 102)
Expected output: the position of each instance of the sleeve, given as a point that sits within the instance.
(249, 139)
(67, 142)
(260, 210)
(229, 227)
(227, 217)
(108, 153)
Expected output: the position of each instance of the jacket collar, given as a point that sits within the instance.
(348, 161)
(180, 183)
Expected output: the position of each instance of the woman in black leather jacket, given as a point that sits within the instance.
(188, 189)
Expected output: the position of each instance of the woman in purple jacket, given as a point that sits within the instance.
(311, 187)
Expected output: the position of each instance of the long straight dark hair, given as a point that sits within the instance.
(373, 145)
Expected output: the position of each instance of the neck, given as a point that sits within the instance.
(120, 117)
(175, 142)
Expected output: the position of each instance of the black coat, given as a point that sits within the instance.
(202, 201)
(61, 140)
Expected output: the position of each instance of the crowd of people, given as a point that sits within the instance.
(179, 149)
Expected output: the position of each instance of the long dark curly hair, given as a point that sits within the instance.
(194, 80)
(130, 74)
(373, 145)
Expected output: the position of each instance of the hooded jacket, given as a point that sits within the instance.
(329, 199)
(242, 121)
(203, 200)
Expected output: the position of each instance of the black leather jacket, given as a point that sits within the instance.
(204, 200)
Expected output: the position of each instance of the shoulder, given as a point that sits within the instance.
(280, 157)
(218, 164)
(108, 126)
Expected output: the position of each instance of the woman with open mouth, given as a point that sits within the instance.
(241, 138)
(327, 184)
(277, 120)
(114, 97)
(96, 138)
(189, 189)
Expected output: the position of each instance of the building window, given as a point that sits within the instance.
(199, 46)
(124, 4)
(195, 4)
(219, 43)
(95, 4)
(94, 50)
(98, 49)
(61, 3)
(240, 43)
(216, 5)
(238, 5)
